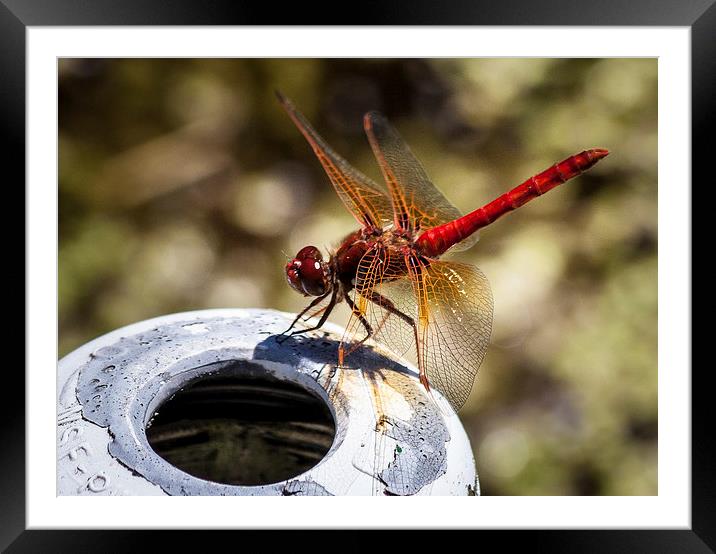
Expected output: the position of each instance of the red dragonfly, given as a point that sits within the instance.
(389, 272)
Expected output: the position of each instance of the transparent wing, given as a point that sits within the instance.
(457, 303)
(417, 203)
(450, 305)
(367, 201)
(379, 268)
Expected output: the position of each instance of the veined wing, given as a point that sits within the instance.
(417, 203)
(455, 323)
(367, 201)
(380, 267)
(451, 306)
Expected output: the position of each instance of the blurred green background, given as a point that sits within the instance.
(183, 185)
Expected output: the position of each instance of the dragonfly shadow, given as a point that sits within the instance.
(323, 350)
(403, 436)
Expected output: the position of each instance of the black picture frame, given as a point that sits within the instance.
(699, 15)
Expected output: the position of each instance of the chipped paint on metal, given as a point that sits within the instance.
(417, 439)
(393, 440)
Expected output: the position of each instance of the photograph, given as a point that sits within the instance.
(357, 276)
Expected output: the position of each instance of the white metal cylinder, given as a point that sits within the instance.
(390, 437)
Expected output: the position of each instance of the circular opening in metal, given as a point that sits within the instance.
(242, 426)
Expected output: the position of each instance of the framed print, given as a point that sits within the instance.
(163, 175)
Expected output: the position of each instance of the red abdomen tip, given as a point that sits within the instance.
(598, 153)
(588, 158)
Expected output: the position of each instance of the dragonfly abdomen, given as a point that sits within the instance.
(437, 240)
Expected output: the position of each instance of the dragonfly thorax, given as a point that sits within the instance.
(308, 273)
(398, 239)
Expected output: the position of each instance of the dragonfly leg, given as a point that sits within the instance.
(388, 305)
(327, 310)
(368, 329)
(315, 314)
(361, 318)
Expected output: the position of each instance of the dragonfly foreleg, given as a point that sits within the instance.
(315, 314)
(326, 311)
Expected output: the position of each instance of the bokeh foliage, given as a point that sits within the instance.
(183, 185)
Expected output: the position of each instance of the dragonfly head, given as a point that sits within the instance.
(308, 273)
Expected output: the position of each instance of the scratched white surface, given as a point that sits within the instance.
(390, 437)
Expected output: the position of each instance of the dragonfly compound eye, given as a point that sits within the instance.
(308, 273)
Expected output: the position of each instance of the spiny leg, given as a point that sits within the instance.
(315, 314)
(388, 305)
(369, 330)
(326, 311)
(311, 305)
